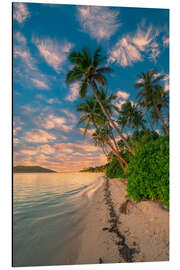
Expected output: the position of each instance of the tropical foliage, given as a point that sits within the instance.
(148, 172)
(133, 137)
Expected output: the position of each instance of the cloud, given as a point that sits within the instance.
(20, 12)
(38, 136)
(25, 68)
(20, 38)
(53, 122)
(90, 132)
(15, 130)
(28, 109)
(53, 101)
(39, 84)
(17, 121)
(124, 53)
(99, 22)
(166, 83)
(165, 41)
(74, 92)
(60, 156)
(76, 147)
(15, 140)
(54, 53)
(133, 48)
(45, 149)
(122, 94)
(70, 116)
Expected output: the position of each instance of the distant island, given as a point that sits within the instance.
(95, 169)
(31, 169)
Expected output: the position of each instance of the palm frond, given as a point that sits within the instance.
(83, 88)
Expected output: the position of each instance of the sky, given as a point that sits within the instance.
(45, 130)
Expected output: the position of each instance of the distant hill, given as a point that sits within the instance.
(31, 169)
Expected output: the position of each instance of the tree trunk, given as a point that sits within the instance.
(116, 145)
(117, 148)
(159, 114)
(116, 152)
(112, 122)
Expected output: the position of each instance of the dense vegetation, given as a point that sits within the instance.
(126, 134)
(148, 172)
(31, 169)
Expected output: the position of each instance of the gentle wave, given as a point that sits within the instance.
(48, 214)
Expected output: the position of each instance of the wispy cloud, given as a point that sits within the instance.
(25, 65)
(20, 12)
(135, 47)
(39, 84)
(54, 53)
(99, 22)
(74, 92)
(70, 116)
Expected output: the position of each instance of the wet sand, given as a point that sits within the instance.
(118, 230)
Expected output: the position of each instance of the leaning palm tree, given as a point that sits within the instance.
(89, 71)
(130, 116)
(101, 138)
(91, 115)
(151, 93)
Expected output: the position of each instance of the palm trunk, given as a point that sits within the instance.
(116, 152)
(112, 122)
(159, 114)
(149, 120)
(116, 145)
(117, 148)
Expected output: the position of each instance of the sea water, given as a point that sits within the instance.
(49, 210)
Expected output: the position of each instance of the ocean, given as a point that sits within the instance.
(49, 211)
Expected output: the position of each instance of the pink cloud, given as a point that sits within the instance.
(74, 92)
(54, 122)
(165, 41)
(38, 136)
(20, 12)
(122, 94)
(39, 84)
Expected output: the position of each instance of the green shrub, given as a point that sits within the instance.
(114, 169)
(148, 172)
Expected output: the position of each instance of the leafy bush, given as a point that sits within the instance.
(114, 169)
(148, 172)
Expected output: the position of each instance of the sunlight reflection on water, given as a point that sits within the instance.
(48, 211)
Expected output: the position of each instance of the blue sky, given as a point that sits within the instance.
(44, 108)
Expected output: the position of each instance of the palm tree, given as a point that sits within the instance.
(91, 114)
(130, 116)
(151, 93)
(88, 70)
(103, 135)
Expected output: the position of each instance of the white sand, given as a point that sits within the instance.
(145, 228)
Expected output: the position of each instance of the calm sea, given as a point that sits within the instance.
(48, 216)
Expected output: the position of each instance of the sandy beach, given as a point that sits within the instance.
(118, 230)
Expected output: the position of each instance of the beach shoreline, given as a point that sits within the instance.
(117, 230)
